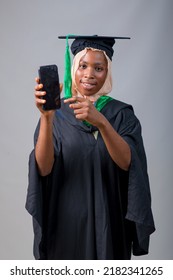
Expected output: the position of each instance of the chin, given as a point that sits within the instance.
(87, 92)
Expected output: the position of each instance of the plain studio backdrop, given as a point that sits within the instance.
(142, 76)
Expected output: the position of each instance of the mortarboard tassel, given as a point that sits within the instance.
(67, 72)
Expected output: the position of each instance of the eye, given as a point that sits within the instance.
(98, 68)
(82, 66)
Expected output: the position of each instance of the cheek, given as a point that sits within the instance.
(102, 78)
(77, 76)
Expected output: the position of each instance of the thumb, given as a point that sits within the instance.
(61, 87)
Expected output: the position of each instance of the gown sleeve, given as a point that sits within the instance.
(37, 186)
(34, 202)
(34, 198)
(139, 196)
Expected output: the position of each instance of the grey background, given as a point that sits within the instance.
(142, 74)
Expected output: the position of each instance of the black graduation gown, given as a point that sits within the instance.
(88, 208)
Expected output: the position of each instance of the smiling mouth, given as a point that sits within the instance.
(87, 85)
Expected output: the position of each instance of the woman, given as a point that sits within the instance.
(88, 185)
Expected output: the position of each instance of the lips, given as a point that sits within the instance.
(88, 85)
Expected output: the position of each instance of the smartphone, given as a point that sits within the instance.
(49, 77)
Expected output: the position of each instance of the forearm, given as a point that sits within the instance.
(117, 147)
(44, 150)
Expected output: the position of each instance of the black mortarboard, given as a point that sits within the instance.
(104, 43)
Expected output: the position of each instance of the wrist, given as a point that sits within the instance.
(102, 124)
(47, 117)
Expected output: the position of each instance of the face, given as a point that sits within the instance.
(91, 73)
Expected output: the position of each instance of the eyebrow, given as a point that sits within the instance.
(96, 63)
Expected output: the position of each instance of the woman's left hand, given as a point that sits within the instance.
(84, 109)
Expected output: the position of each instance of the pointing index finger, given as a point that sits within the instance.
(74, 99)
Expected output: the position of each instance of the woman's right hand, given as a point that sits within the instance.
(44, 150)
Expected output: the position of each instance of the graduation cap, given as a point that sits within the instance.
(104, 43)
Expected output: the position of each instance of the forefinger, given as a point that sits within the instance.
(74, 99)
(37, 80)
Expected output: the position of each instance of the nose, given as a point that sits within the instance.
(89, 73)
